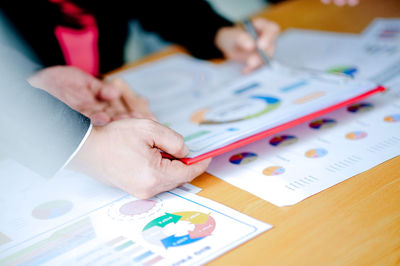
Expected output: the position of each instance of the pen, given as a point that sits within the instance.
(248, 26)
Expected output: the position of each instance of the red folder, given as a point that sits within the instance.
(278, 129)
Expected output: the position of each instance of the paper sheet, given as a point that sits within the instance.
(295, 164)
(210, 116)
(73, 220)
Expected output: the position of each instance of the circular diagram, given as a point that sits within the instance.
(322, 123)
(235, 110)
(356, 135)
(52, 209)
(273, 170)
(131, 209)
(243, 158)
(316, 153)
(178, 228)
(359, 107)
(392, 118)
(283, 140)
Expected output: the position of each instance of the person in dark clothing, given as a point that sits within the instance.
(97, 30)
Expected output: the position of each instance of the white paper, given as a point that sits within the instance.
(73, 220)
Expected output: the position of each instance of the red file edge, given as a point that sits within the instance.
(277, 129)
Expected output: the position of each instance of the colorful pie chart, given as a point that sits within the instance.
(359, 107)
(243, 158)
(282, 140)
(273, 170)
(52, 209)
(235, 110)
(316, 153)
(356, 135)
(322, 123)
(392, 118)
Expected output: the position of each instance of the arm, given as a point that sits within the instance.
(193, 24)
(37, 130)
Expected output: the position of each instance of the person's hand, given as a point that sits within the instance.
(101, 101)
(126, 154)
(136, 105)
(236, 44)
(341, 2)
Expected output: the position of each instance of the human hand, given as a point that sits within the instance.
(341, 2)
(126, 154)
(101, 101)
(236, 44)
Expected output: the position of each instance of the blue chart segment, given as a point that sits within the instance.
(243, 158)
(294, 86)
(154, 232)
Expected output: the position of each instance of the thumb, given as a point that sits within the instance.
(168, 141)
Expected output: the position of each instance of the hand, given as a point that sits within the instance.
(341, 2)
(100, 101)
(126, 154)
(236, 44)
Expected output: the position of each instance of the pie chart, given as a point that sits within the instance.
(235, 110)
(282, 140)
(347, 70)
(322, 123)
(392, 118)
(359, 107)
(52, 209)
(316, 153)
(243, 158)
(273, 170)
(356, 135)
(137, 207)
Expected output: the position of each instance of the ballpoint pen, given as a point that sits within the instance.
(253, 33)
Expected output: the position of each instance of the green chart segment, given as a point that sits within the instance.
(203, 225)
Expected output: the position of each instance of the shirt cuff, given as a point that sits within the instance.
(78, 148)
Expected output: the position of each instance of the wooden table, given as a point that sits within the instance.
(356, 222)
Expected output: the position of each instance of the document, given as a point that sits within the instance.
(295, 164)
(73, 220)
(212, 108)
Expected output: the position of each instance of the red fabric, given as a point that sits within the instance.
(79, 46)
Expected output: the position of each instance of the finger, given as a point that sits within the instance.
(109, 92)
(167, 140)
(268, 32)
(116, 107)
(252, 63)
(176, 172)
(245, 42)
(128, 97)
(100, 119)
